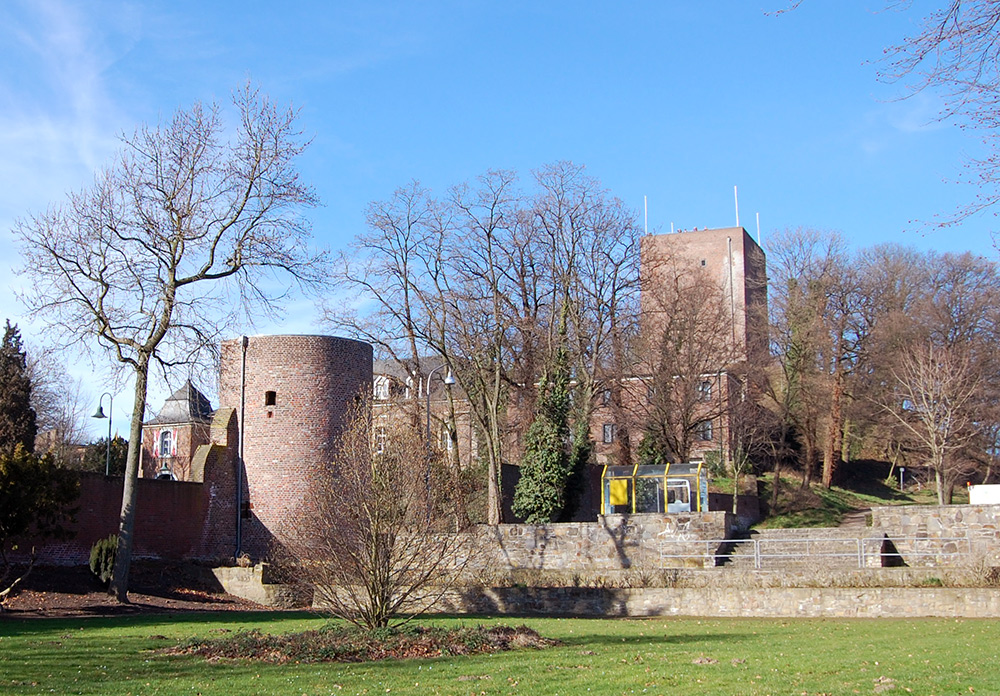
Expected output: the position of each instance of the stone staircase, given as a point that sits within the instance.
(832, 548)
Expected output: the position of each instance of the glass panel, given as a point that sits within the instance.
(652, 470)
(649, 495)
(683, 468)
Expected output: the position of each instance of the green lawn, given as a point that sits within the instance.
(634, 656)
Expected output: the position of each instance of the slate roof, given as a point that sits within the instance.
(186, 405)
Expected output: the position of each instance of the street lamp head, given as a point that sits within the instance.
(100, 412)
(449, 380)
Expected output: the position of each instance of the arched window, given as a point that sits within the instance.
(166, 443)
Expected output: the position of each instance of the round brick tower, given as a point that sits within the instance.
(294, 394)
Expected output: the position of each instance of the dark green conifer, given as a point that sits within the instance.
(17, 418)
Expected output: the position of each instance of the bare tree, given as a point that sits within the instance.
(388, 264)
(815, 337)
(62, 408)
(688, 341)
(496, 283)
(934, 398)
(175, 240)
(369, 551)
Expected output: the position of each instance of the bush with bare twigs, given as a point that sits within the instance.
(380, 546)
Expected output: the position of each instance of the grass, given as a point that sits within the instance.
(825, 507)
(600, 656)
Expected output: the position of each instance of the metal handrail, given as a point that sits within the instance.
(859, 548)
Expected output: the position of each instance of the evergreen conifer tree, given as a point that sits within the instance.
(17, 418)
(540, 494)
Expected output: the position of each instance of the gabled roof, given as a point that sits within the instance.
(393, 368)
(186, 405)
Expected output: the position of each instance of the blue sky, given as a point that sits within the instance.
(676, 101)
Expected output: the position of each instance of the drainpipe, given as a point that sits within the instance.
(244, 341)
(732, 290)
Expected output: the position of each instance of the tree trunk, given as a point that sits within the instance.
(776, 485)
(810, 461)
(123, 555)
(831, 452)
(940, 483)
(493, 492)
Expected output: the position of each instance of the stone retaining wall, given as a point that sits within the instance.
(614, 542)
(931, 535)
(783, 602)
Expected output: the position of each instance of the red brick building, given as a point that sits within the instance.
(715, 282)
(171, 439)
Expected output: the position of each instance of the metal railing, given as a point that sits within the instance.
(865, 552)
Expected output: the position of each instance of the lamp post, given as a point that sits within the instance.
(100, 414)
(448, 380)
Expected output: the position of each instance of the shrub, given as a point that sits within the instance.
(102, 558)
(36, 503)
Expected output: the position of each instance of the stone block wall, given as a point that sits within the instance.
(928, 535)
(614, 542)
(784, 602)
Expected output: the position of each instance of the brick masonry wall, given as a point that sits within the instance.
(174, 519)
(168, 524)
(314, 381)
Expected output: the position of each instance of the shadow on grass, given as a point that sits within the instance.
(12, 626)
(610, 640)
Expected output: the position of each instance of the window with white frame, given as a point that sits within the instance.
(705, 390)
(380, 439)
(610, 432)
(704, 430)
(166, 443)
(446, 441)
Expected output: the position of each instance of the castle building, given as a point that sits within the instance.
(292, 397)
(283, 402)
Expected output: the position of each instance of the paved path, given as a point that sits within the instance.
(856, 518)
